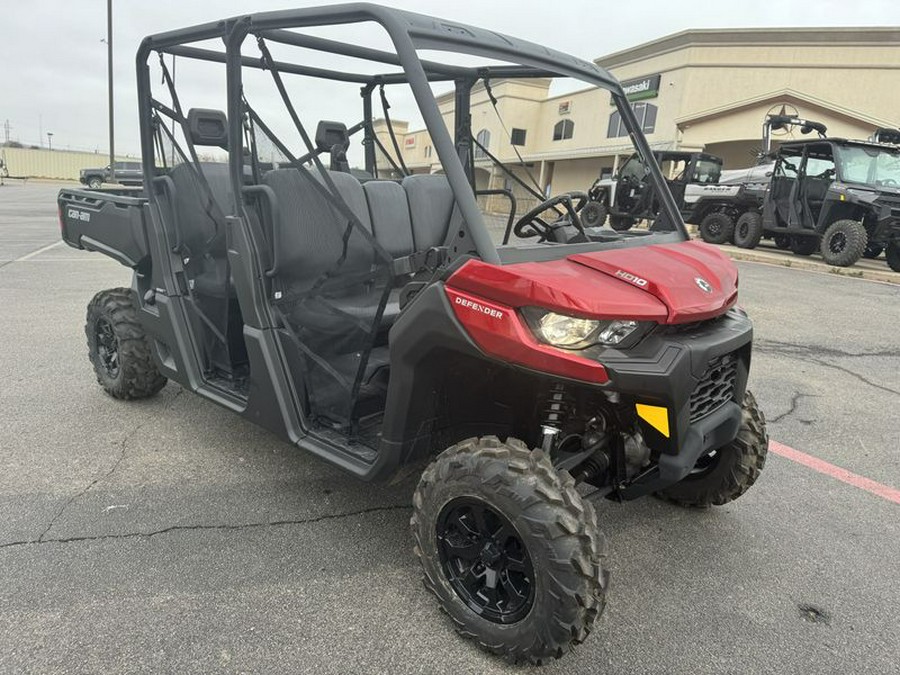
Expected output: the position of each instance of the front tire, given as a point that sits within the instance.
(594, 214)
(118, 348)
(95, 183)
(621, 223)
(728, 472)
(844, 242)
(717, 228)
(748, 230)
(509, 548)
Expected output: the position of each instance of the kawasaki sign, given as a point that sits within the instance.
(641, 88)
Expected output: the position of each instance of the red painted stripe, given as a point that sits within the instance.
(820, 465)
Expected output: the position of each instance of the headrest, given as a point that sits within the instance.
(208, 127)
(329, 134)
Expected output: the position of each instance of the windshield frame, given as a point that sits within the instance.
(870, 180)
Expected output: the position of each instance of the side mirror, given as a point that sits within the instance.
(208, 127)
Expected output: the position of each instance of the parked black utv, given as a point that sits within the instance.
(835, 196)
(372, 321)
(628, 197)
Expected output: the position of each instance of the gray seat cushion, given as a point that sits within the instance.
(309, 235)
(389, 211)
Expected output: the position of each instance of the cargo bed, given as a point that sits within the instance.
(111, 222)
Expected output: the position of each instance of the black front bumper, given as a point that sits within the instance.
(675, 367)
(887, 223)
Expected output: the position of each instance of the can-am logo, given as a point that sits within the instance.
(628, 276)
(478, 307)
(75, 214)
(703, 285)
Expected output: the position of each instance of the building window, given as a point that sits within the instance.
(563, 130)
(483, 138)
(646, 117)
(427, 151)
(517, 137)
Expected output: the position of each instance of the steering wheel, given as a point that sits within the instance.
(532, 225)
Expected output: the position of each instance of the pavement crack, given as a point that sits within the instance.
(795, 400)
(791, 347)
(815, 354)
(203, 527)
(123, 448)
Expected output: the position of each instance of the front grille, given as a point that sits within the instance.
(715, 388)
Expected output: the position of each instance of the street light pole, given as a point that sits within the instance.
(50, 140)
(109, 68)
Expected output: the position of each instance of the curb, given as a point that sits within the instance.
(796, 262)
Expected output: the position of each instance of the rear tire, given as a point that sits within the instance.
(804, 245)
(782, 241)
(844, 242)
(518, 492)
(621, 223)
(748, 230)
(893, 256)
(727, 473)
(873, 251)
(594, 214)
(118, 348)
(717, 228)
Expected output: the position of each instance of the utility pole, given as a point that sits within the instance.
(50, 140)
(6, 128)
(109, 68)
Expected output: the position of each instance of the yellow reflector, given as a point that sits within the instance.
(843, 198)
(654, 415)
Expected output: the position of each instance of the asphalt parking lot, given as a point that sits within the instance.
(172, 536)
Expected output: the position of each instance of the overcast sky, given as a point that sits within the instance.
(53, 64)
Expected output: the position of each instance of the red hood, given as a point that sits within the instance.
(663, 282)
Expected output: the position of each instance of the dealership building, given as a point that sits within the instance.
(706, 90)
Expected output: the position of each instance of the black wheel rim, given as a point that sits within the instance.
(485, 560)
(742, 230)
(714, 228)
(838, 242)
(107, 347)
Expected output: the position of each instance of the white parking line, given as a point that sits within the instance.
(31, 255)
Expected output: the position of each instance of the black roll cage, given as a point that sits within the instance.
(409, 32)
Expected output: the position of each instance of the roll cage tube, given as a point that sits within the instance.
(408, 32)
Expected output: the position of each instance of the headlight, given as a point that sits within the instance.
(570, 332)
(565, 331)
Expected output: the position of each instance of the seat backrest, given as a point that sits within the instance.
(431, 205)
(309, 231)
(389, 211)
(197, 219)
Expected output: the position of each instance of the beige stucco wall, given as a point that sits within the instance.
(575, 174)
(715, 90)
(57, 164)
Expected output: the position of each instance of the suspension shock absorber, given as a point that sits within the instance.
(553, 415)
